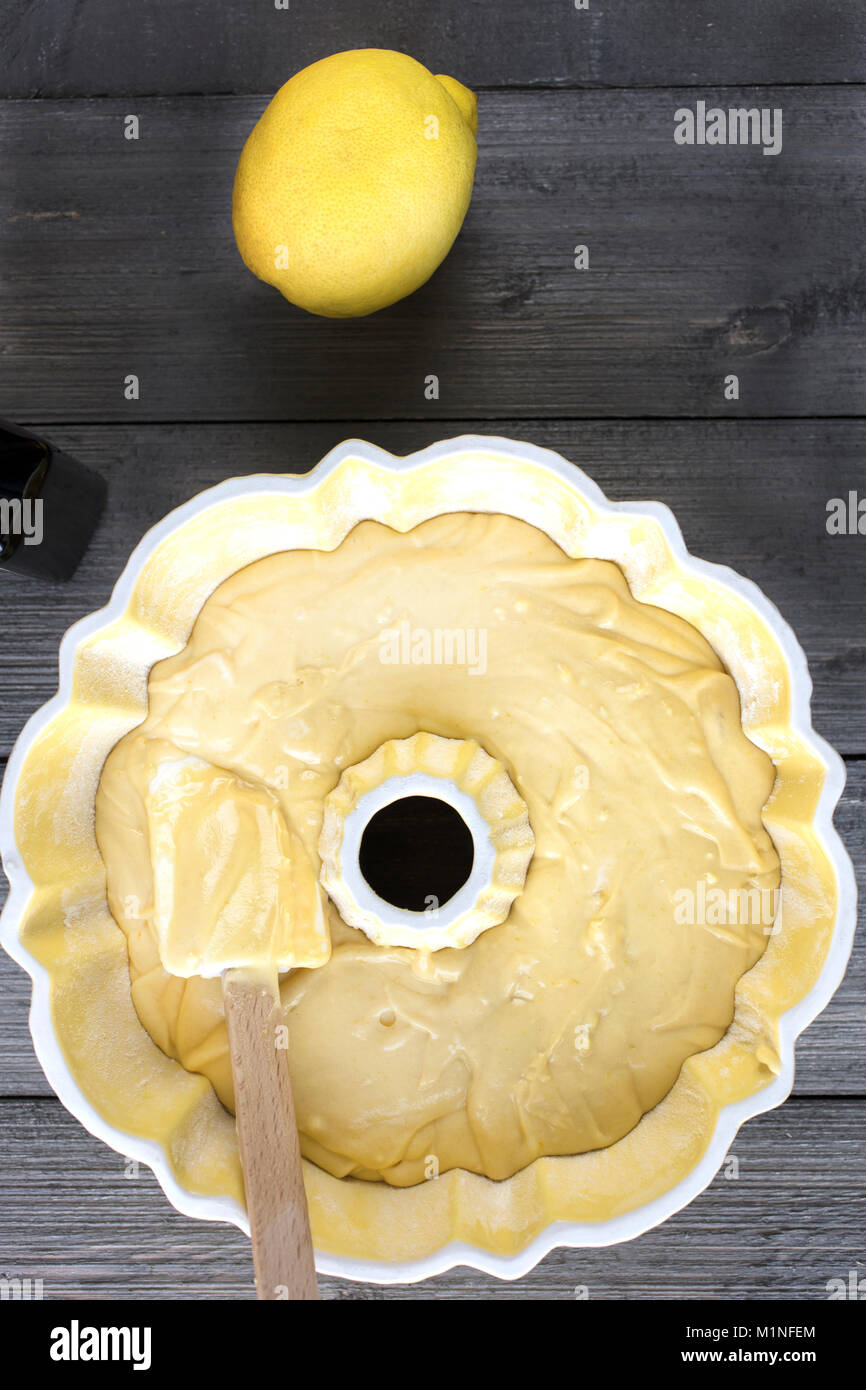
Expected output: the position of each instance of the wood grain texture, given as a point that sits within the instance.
(78, 1217)
(89, 47)
(751, 495)
(117, 257)
(268, 1141)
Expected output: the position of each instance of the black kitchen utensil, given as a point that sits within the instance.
(49, 505)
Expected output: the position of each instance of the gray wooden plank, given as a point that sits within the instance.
(792, 1220)
(124, 46)
(751, 495)
(118, 257)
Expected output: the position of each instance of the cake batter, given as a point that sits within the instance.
(554, 1032)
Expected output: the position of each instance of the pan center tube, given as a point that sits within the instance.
(461, 843)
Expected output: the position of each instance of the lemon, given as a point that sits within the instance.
(354, 183)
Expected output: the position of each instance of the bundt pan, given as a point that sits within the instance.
(56, 924)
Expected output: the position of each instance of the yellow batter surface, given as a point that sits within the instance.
(554, 1032)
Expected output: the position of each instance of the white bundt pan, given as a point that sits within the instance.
(472, 474)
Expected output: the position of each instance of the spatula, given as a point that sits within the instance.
(236, 896)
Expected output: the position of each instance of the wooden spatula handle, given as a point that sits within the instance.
(268, 1137)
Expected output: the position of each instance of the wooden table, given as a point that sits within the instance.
(117, 259)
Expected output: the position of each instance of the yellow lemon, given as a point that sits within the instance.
(353, 185)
